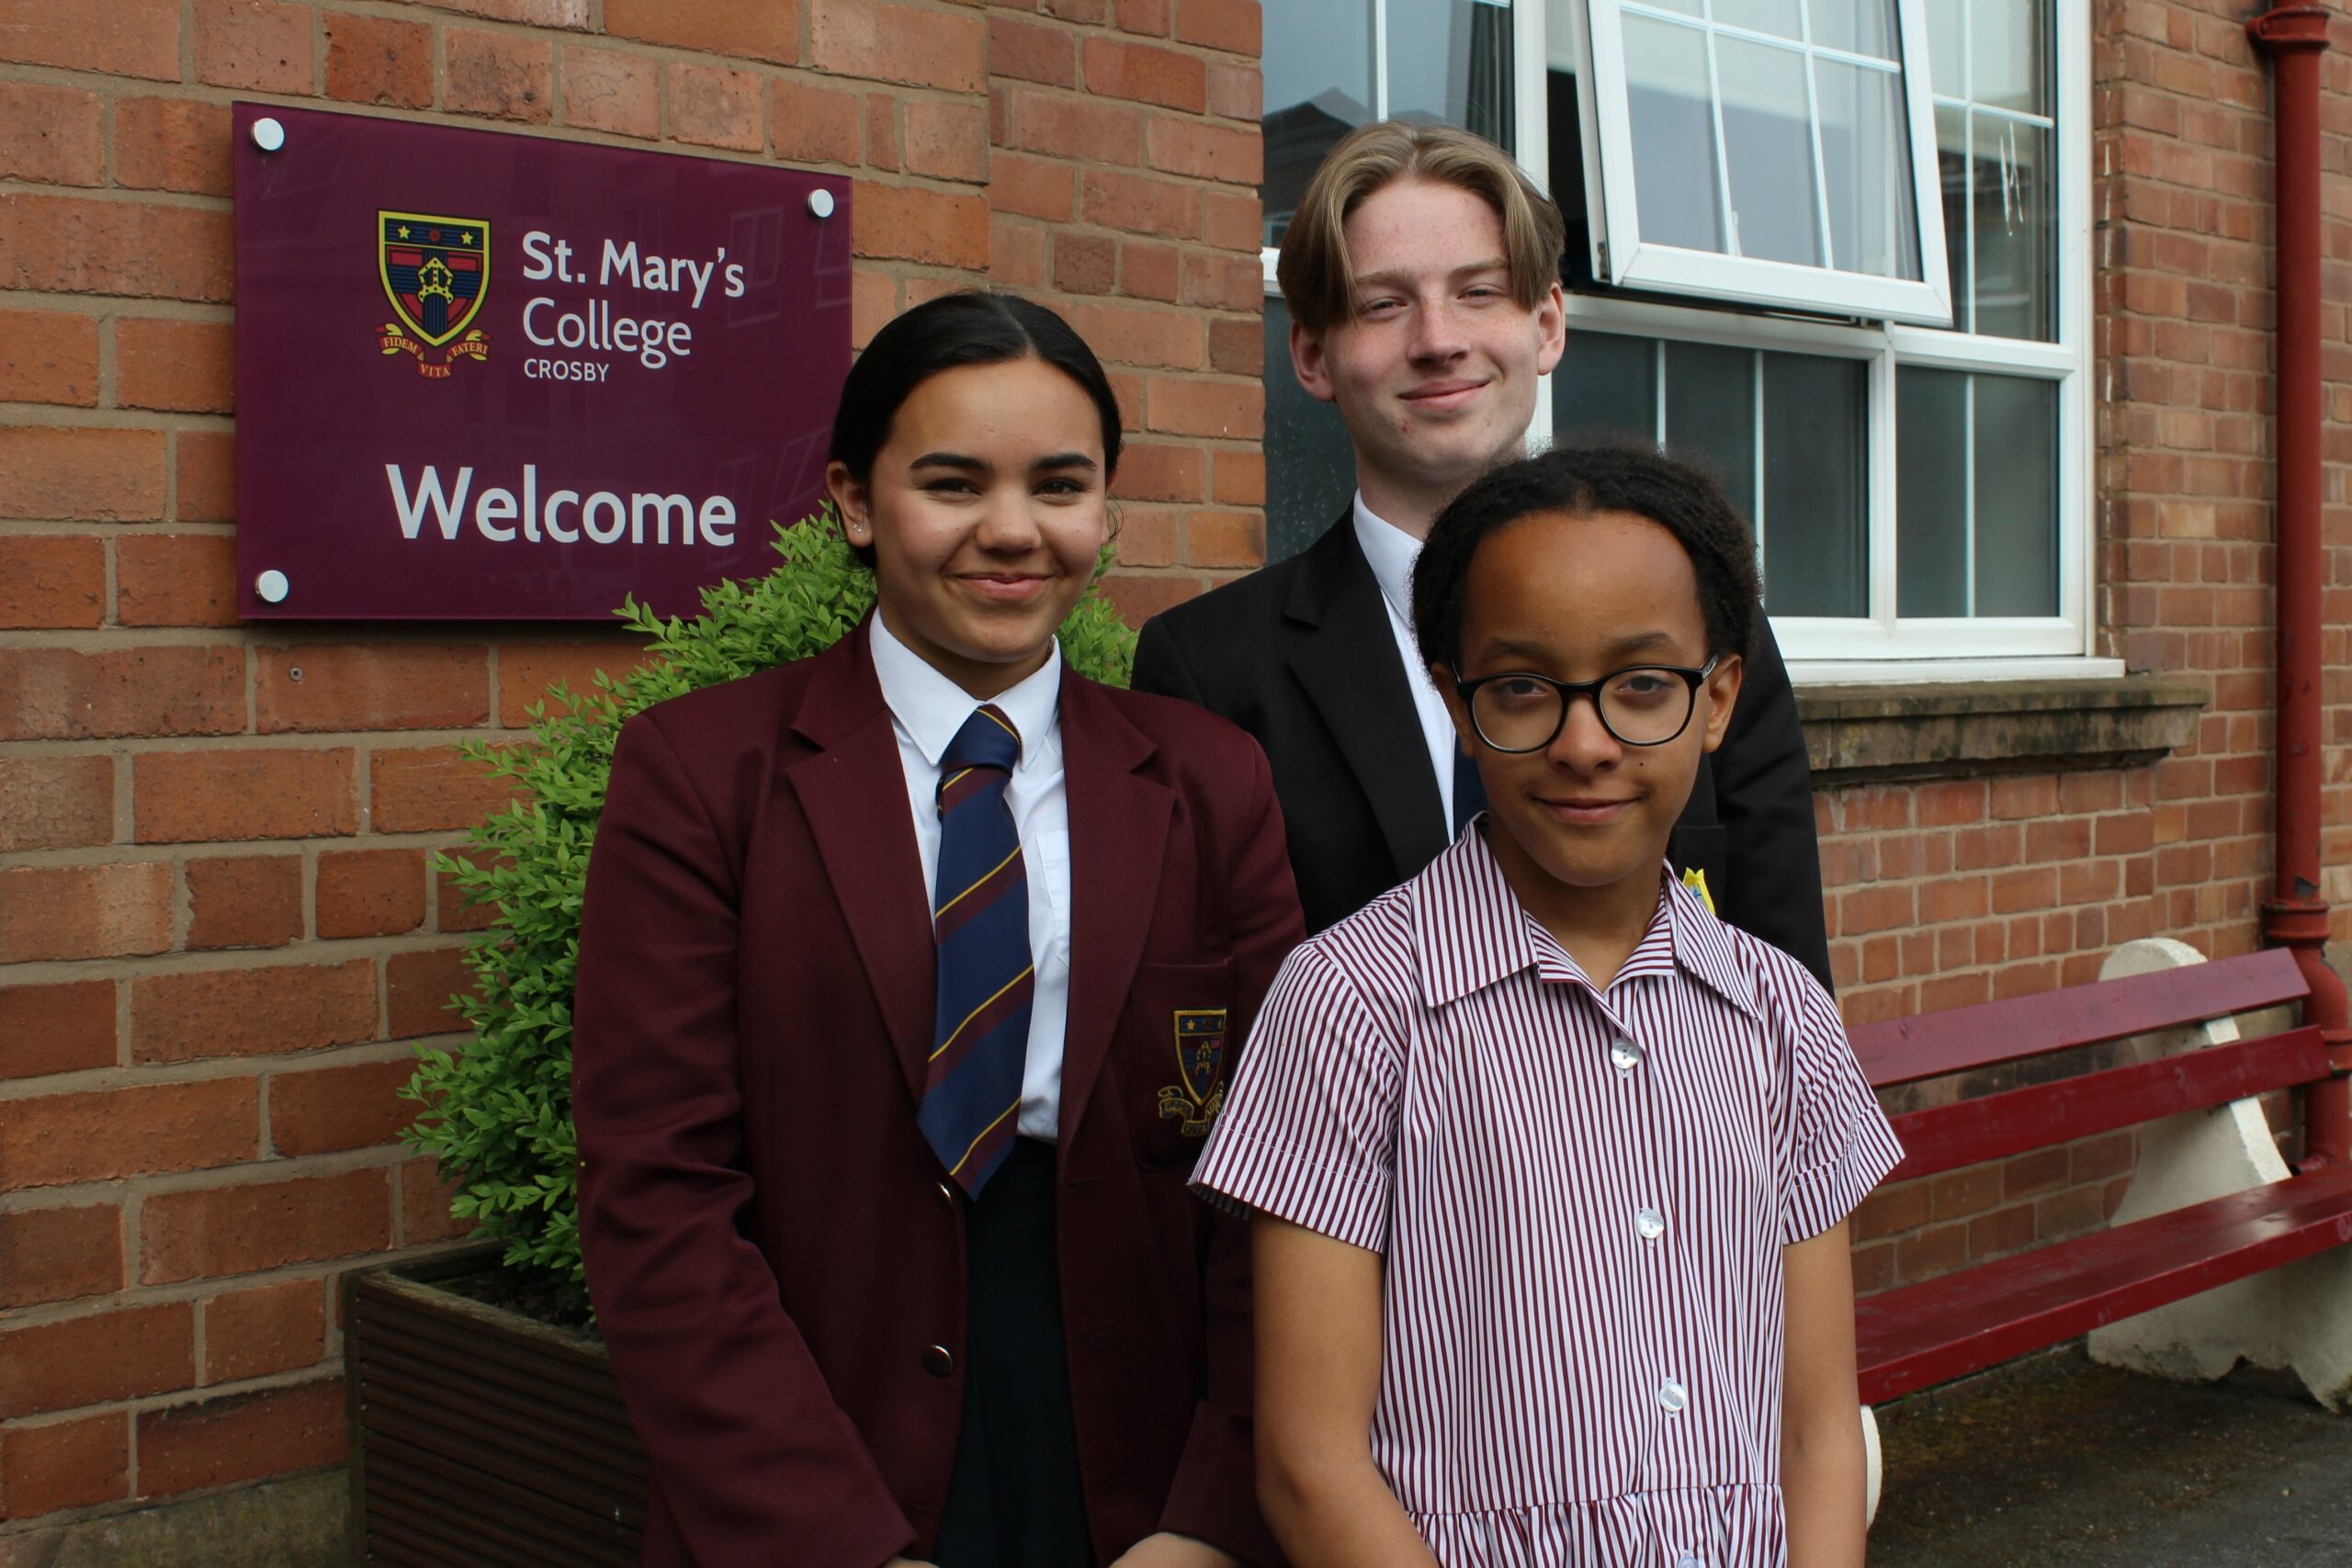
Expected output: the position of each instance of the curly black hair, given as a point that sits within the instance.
(1580, 481)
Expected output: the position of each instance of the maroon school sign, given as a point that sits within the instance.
(496, 376)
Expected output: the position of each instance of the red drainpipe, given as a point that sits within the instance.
(2296, 915)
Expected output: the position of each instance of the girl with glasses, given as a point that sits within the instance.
(1551, 1168)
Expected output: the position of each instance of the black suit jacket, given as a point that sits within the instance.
(1301, 655)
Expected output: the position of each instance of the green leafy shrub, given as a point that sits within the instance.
(497, 1116)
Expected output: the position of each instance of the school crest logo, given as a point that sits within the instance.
(1192, 1102)
(437, 274)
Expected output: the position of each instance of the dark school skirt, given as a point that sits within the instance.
(1015, 1499)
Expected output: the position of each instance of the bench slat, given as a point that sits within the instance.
(1904, 1050)
(1945, 1137)
(1962, 1323)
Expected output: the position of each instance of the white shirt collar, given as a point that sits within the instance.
(1391, 551)
(932, 708)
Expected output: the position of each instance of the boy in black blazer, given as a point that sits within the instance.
(1421, 273)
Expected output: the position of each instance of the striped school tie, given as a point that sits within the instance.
(981, 921)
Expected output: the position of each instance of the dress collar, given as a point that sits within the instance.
(1470, 931)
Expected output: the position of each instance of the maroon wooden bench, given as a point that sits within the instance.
(1956, 1324)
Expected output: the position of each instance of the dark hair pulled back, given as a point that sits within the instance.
(969, 327)
(1580, 481)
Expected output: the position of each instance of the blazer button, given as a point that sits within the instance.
(947, 1196)
(938, 1362)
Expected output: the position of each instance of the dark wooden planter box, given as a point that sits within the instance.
(482, 1438)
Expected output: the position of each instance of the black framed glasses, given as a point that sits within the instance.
(1642, 704)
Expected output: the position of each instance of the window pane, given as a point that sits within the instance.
(1310, 468)
(1449, 59)
(1768, 142)
(1866, 158)
(1606, 386)
(1816, 553)
(1318, 87)
(1951, 166)
(1711, 413)
(1976, 454)
(1947, 27)
(1862, 26)
(2017, 496)
(1675, 174)
(2012, 204)
(1931, 499)
(1776, 17)
(2005, 53)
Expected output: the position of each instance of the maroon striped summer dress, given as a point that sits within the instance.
(1581, 1199)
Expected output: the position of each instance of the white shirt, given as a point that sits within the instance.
(926, 710)
(1392, 552)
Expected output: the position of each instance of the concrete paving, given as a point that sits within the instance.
(2058, 1463)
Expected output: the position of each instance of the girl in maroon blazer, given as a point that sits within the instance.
(910, 978)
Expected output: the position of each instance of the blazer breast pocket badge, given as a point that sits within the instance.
(1194, 1102)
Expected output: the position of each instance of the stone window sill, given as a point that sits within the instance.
(1967, 729)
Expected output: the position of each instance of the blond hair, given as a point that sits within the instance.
(1316, 277)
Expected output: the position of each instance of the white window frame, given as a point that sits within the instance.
(1883, 646)
(1622, 256)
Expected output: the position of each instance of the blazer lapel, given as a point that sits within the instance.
(1118, 834)
(853, 793)
(1347, 660)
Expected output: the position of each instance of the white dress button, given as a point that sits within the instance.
(1650, 1224)
(1687, 1560)
(1624, 1056)
(1673, 1397)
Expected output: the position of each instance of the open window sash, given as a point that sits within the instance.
(1823, 139)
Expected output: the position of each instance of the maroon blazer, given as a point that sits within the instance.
(771, 1246)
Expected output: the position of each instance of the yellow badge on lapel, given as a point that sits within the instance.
(1696, 880)
(1193, 1103)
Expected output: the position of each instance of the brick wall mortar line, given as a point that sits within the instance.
(254, 1173)
(162, 422)
(308, 894)
(183, 904)
(110, 591)
(264, 1139)
(109, 530)
(145, 307)
(327, 1269)
(118, 195)
(296, 1377)
(132, 1213)
(197, 1315)
(383, 996)
(212, 1069)
(311, 953)
(82, 304)
(290, 740)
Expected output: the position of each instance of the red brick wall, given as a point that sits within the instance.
(218, 939)
(1953, 892)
